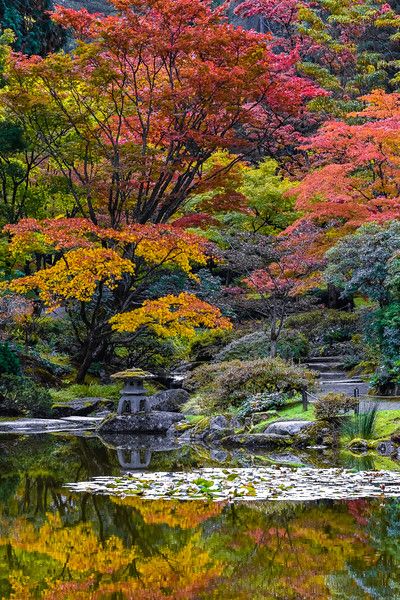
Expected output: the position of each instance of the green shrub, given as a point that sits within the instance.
(386, 379)
(207, 344)
(325, 326)
(333, 406)
(293, 344)
(9, 361)
(230, 383)
(251, 346)
(361, 425)
(22, 396)
(262, 402)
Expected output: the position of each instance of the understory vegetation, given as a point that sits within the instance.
(221, 204)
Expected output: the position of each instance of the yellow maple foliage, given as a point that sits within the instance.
(75, 276)
(172, 316)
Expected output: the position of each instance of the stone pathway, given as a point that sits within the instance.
(333, 378)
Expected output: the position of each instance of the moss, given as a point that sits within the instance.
(183, 426)
(132, 374)
(95, 390)
(359, 443)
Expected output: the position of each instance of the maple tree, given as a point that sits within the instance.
(356, 163)
(97, 274)
(270, 272)
(129, 117)
(347, 47)
(250, 197)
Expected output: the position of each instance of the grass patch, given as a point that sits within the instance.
(291, 413)
(92, 390)
(387, 422)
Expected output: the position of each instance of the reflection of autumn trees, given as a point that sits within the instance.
(60, 546)
(284, 551)
(167, 549)
(380, 576)
(185, 515)
(73, 560)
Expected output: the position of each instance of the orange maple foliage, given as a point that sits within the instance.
(356, 178)
(76, 276)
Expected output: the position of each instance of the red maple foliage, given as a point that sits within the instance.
(130, 116)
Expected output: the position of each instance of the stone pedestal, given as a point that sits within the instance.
(133, 398)
(134, 459)
(133, 395)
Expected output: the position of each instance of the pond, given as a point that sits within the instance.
(56, 544)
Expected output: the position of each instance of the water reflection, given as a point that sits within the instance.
(135, 452)
(57, 545)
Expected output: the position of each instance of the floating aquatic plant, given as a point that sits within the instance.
(262, 483)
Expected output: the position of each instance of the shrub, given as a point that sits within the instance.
(207, 344)
(386, 379)
(9, 361)
(325, 326)
(22, 396)
(293, 345)
(251, 346)
(231, 382)
(361, 425)
(333, 406)
(262, 402)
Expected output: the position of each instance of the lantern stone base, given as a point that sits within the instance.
(143, 422)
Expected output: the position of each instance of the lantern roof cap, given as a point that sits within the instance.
(133, 374)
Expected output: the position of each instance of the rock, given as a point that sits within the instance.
(186, 436)
(395, 437)
(143, 422)
(168, 400)
(288, 428)
(234, 423)
(218, 422)
(81, 406)
(35, 426)
(386, 448)
(358, 445)
(219, 455)
(123, 441)
(257, 440)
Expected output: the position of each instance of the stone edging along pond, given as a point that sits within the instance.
(261, 483)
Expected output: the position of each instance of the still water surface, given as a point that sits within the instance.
(58, 545)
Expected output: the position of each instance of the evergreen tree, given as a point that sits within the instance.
(35, 32)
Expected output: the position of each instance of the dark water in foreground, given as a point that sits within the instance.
(58, 545)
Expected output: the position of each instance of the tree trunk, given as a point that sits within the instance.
(274, 333)
(84, 367)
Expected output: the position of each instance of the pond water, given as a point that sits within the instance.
(55, 544)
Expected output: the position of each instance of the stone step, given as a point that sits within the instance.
(347, 388)
(326, 359)
(323, 366)
(332, 375)
(349, 381)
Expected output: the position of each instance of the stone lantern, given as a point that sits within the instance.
(133, 394)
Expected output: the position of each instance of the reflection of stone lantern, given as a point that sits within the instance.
(133, 394)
